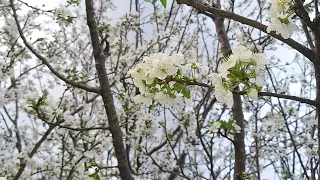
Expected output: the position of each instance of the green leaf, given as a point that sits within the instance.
(178, 87)
(259, 88)
(223, 124)
(154, 1)
(187, 79)
(40, 39)
(186, 93)
(164, 3)
(95, 176)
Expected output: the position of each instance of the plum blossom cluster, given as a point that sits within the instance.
(280, 14)
(43, 107)
(162, 78)
(225, 128)
(243, 67)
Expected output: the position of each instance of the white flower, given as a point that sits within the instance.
(225, 66)
(161, 97)
(63, 11)
(92, 170)
(213, 76)
(224, 96)
(86, 117)
(275, 25)
(165, 99)
(171, 83)
(243, 54)
(145, 125)
(142, 99)
(2, 99)
(89, 154)
(215, 127)
(221, 93)
(253, 93)
(140, 85)
(240, 53)
(237, 128)
(280, 5)
(177, 59)
(259, 81)
(260, 59)
(285, 29)
(163, 66)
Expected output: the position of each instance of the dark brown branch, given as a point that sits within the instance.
(221, 13)
(308, 36)
(283, 96)
(303, 14)
(105, 91)
(316, 7)
(35, 149)
(271, 94)
(44, 60)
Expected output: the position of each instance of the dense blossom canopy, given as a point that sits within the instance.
(175, 89)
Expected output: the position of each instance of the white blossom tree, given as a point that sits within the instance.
(181, 89)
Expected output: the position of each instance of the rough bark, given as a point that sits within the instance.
(239, 146)
(316, 61)
(217, 12)
(106, 94)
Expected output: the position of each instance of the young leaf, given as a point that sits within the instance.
(164, 3)
(178, 87)
(186, 93)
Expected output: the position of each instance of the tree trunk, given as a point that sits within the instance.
(316, 63)
(239, 146)
(106, 94)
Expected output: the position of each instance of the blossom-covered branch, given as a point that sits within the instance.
(43, 59)
(106, 94)
(219, 12)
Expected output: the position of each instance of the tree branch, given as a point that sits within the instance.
(35, 149)
(43, 59)
(283, 96)
(222, 13)
(270, 94)
(100, 57)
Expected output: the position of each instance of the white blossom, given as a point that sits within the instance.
(253, 93)
(280, 5)
(260, 59)
(225, 66)
(280, 18)
(221, 93)
(92, 170)
(243, 54)
(142, 99)
(237, 128)
(286, 30)
(215, 127)
(259, 81)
